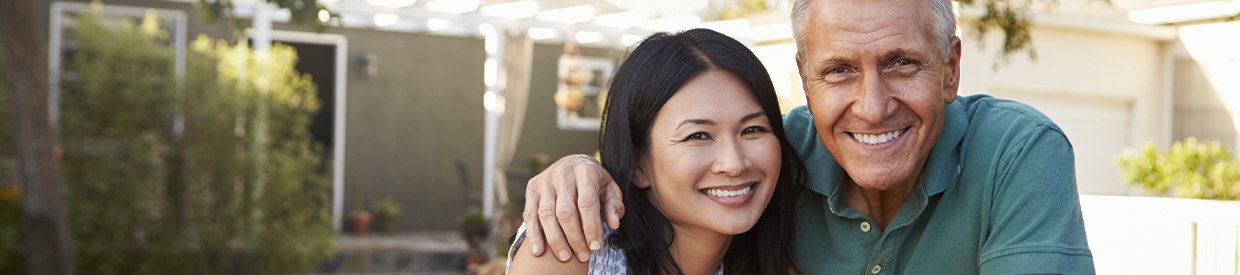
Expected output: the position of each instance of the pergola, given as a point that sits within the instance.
(597, 23)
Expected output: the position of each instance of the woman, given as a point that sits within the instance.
(692, 135)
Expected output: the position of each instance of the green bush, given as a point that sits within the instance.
(387, 215)
(148, 194)
(1191, 169)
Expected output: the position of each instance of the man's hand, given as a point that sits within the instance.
(562, 204)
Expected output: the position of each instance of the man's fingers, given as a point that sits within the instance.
(551, 225)
(588, 204)
(614, 202)
(533, 230)
(570, 221)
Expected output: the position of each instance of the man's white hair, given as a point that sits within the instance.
(942, 23)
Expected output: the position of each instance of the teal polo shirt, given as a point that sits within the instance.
(997, 196)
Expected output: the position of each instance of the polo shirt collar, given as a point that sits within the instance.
(941, 171)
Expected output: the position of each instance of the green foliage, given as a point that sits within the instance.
(207, 197)
(387, 214)
(1192, 169)
(301, 12)
(1010, 17)
(10, 192)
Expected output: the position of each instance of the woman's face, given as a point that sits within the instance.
(713, 160)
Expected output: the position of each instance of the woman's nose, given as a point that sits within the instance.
(730, 160)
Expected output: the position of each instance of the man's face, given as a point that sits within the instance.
(876, 85)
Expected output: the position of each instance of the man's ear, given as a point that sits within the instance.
(951, 85)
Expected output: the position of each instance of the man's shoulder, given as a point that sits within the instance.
(1004, 122)
(799, 127)
(988, 113)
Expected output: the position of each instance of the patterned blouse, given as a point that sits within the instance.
(608, 260)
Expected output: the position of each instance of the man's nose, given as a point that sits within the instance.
(872, 102)
(730, 159)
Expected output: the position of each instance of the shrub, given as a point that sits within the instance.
(1191, 169)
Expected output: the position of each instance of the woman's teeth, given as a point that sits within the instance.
(879, 138)
(727, 193)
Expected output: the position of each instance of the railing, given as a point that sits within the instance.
(1148, 235)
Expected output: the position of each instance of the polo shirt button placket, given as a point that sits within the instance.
(876, 269)
(865, 226)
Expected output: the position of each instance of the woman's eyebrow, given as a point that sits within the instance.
(698, 121)
(753, 116)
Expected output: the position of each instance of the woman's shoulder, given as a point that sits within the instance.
(607, 260)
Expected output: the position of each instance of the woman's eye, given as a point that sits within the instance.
(754, 129)
(698, 136)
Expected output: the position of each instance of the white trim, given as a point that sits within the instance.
(492, 111)
(338, 122)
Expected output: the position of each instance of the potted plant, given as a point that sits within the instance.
(358, 219)
(474, 228)
(386, 215)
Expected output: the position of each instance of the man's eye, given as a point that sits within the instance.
(837, 70)
(904, 66)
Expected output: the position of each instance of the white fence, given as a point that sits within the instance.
(1148, 235)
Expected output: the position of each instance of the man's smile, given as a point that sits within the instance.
(875, 139)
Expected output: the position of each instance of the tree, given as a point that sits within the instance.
(148, 201)
(43, 215)
(302, 12)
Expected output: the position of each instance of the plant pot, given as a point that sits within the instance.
(359, 222)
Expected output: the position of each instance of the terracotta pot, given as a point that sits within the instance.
(359, 222)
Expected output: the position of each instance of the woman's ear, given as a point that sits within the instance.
(640, 178)
(641, 175)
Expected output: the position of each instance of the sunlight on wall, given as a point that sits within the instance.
(1214, 46)
(781, 64)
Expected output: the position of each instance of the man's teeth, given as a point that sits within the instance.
(728, 193)
(879, 138)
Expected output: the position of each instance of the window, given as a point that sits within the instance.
(63, 44)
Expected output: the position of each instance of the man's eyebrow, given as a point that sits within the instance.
(695, 121)
(834, 60)
(899, 52)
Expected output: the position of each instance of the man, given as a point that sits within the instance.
(904, 176)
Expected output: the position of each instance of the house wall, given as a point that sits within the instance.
(541, 135)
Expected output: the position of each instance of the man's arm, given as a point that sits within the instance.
(562, 204)
(1036, 224)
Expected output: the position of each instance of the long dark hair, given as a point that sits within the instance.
(653, 72)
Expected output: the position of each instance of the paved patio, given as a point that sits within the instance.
(440, 253)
